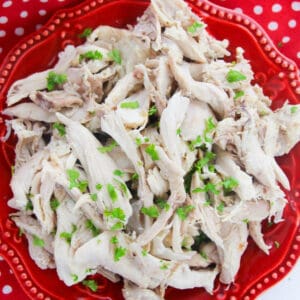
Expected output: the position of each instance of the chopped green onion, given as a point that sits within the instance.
(116, 213)
(60, 128)
(82, 186)
(238, 94)
(152, 110)
(91, 284)
(86, 32)
(294, 109)
(54, 204)
(178, 131)
(90, 225)
(38, 242)
(118, 173)
(152, 152)
(144, 252)
(112, 192)
(193, 28)
(115, 55)
(55, 79)
(151, 211)
(208, 157)
(130, 105)
(108, 148)
(220, 207)
(235, 76)
(183, 211)
(93, 55)
(73, 176)
(119, 253)
(246, 221)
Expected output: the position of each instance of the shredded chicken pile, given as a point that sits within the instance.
(143, 155)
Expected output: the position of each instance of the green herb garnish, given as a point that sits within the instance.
(162, 204)
(195, 143)
(184, 211)
(203, 254)
(135, 176)
(209, 187)
(108, 148)
(294, 109)
(60, 128)
(130, 105)
(119, 253)
(116, 213)
(151, 211)
(152, 152)
(91, 284)
(117, 226)
(74, 277)
(229, 184)
(220, 207)
(144, 252)
(54, 204)
(193, 28)
(94, 197)
(152, 110)
(55, 79)
(115, 55)
(112, 192)
(238, 94)
(99, 186)
(86, 32)
(235, 76)
(93, 55)
(38, 242)
(118, 173)
(91, 226)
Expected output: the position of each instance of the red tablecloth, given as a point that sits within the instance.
(280, 18)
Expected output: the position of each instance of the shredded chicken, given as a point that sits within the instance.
(144, 155)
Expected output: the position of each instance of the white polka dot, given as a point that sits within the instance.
(26, 0)
(42, 12)
(1, 49)
(7, 289)
(7, 4)
(43, 1)
(295, 5)
(239, 10)
(3, 20)
(258, 9)
(1, 258)
(292, 23)
(298, 55)
(286, 39)
(2, 33)
(38, 26)
(273, 25)
(24, 14)
(276, 8)
(19, 31)
(11, 271)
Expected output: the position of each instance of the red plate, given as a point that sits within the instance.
(279, 78)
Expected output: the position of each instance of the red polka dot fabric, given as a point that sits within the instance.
(280, 19)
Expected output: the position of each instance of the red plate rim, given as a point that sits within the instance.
(59, 20)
